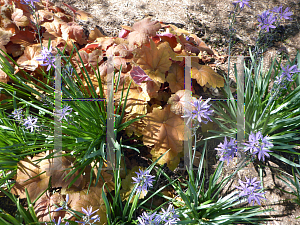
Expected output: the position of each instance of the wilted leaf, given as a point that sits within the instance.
(27, 177)
(74, 32)
(53, 28)
(204, 74)
(24, 38)
(28, 59)
(19, 18)
(154, 61)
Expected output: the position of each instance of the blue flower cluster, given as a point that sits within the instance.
(166, 217)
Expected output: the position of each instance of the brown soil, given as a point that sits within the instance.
(209, 20)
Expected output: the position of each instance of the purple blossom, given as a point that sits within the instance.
(249, 189)
(88, 213)
(169, 216)
(228, 150)
(144, 179)
(287, 75)
(17, 114)
(201, 111)
(47, 58)
(283, 15)
(30, 2)
(30, 123)
(165, 217)
(64, 205)
(59, 221)
(146, 219)
(258, 144)
(242, 3)
(266, 20)
(64, 112)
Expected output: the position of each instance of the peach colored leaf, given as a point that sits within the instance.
(137, 101)
(105, 42)
(164, 130)
(53, 28)
(178, 102)
(135, 37)
(28, 59)
(136, 127)
(142, 30)
(74, 32)
(45, 16)
(27, 177)
(205, 74)
(5, 36)
(147, 26)
(138, 75)
(19, 18)
(154, 61)
(175, 77)
(94, 34)
(118, 50)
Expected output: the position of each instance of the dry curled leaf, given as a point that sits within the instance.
(19, 18)
(28, 59)
(30, 176)
(74, 32)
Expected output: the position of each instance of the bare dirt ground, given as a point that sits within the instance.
(209, 20)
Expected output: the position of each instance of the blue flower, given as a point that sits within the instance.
(59, 221)
(201, 111)
(30, 123)
(144, 179)
(47, 58)
(169, 217)
(17, 114)
(258, 144)
(266, 20)
(151, 219)
(30, 2)
(228, 150)
(287, 75)
(283, 15)
(64, 112)
(242, 3)
(64, 205)
(249, 189)
(88, 213)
